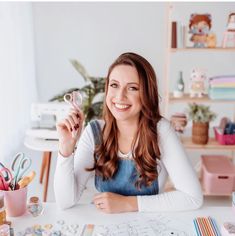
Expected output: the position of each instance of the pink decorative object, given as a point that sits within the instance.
(15, 202)
(224, 139)
(218, 175)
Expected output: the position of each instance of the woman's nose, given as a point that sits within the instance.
(121, 93)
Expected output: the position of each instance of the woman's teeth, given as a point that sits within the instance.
(121, 106)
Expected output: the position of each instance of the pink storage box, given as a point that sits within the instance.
(218, 175)
(224, 139)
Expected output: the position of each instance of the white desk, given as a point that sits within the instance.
(47, 147)
(88, 214)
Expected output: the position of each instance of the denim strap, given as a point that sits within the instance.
(96, 130)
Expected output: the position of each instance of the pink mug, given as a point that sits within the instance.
(15, 202)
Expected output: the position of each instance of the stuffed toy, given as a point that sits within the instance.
(231, 22)
(197, 83)
(199, 27)
(211, 40)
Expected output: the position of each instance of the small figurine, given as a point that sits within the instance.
(231, 22)
(197, 83)
(179, 88)
(199, 26)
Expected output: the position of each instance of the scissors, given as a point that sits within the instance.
(20, 165)
(6, 176)
(74, 99)
(4, 184)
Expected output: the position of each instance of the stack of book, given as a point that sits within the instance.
(222, 87)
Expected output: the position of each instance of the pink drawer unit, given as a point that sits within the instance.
(218, 175)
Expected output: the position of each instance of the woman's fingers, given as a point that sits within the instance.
(72, 123)
(78, 113)
(68, 125)
(76, 119)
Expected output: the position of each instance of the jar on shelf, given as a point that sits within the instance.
(35, 206)
(2, 209)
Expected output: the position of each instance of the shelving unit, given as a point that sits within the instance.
(201, 49)
(170, 99)
(211, 145)
(204, 99)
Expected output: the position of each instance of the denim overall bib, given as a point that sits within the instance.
(123, 181)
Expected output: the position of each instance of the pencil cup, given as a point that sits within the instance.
(16, 202)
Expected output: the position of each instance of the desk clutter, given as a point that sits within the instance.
(141, 226)
(14, 179)
(206, 226)
(58, 229)
(13, 185)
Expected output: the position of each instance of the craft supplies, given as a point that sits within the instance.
(2, 209)
(26, 179)
(228, 229)
(5, 178)
(206, 226)
(52, 230)
(20, 165)
(35, 206)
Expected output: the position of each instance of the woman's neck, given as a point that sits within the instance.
(127, 130)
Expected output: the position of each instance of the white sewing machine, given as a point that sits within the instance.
(44, 118)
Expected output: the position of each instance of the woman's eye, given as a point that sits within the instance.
(113, 85)
(133, 88)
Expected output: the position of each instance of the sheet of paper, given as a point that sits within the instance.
(144, 226)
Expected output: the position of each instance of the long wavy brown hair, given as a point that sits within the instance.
(145, 147)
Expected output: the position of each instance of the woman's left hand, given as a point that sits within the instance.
(115, 203)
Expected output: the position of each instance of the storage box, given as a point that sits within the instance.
(224, 139)
(218, 175)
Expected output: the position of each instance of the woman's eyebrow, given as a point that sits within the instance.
(113, 80)
(133, 83)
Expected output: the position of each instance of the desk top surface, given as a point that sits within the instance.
(88, 214)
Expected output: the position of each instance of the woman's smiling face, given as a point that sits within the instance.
(123, 96)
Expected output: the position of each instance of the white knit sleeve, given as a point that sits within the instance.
(188, 194)
(70, 175)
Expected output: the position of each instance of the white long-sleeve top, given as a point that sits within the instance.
(70, 177)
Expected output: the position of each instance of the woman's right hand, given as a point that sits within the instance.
(69, 131)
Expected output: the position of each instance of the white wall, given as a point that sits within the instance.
(96, 33)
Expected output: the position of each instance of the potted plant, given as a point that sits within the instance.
(201, 116)
(92, 92)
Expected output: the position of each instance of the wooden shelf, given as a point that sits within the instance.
(229, 49)
(204, 99)
(212, 144)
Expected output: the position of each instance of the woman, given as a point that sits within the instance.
(131, 151)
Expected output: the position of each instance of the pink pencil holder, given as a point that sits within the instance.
(15, 202)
